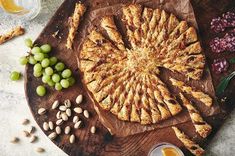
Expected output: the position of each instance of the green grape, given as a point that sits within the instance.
(23, 60)
(66, 73)
(64, 83)
(32, 60)
(36, 50)
(41, 90)
(51, 83)
(49, 71)
(46, 48)
(56, 77)
(37, 67)
(71, 81)
(45, 62)
(59, 66)
(28, 42)
(15, 76)
(46, 55)
(39, 56)
(46, 78)
(53, 61)
(43, 72)
(37, 74)
(58, 86)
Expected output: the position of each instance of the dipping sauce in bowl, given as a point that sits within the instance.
(165, 149)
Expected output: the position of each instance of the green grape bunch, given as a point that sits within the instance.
(52, 72)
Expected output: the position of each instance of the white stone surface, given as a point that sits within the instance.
(13, 106)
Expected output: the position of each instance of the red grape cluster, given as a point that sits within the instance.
(220, 65)
(225, 43)
(220, 23)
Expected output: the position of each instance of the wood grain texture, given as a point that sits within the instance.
(102, 143)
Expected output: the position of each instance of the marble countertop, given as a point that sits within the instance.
(14, 108)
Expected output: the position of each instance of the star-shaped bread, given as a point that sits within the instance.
(123, 78)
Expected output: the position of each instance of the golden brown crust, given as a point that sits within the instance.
(145, 27)
(202, 128)
(108, 24)
(199, 95)
(125, 81)
(193, 147)
(173, 106)
(17, 31)
(74, 22)
(172, 23)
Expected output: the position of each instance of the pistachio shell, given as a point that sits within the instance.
(45, 126)
(78, 110)
(86, 114)
(55, 104)
(72, 139)
(79, 99)
(41, 111)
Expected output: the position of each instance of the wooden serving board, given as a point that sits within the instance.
(103, 143)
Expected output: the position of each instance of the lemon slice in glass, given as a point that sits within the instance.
(10, 6)
(169, 151)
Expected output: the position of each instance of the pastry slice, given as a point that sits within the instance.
(190, 65)
(136, 11)
(163, 21)
(189, 36)
(193, 147)
(165, 113)
(172, 23)
(100, 41)
(180, 29)
(105, 52)
(165, 29)
(17, 31)
(158, 110)
(107, 103)
(108, 24)
(146, 17)
(130, 29)
(202, 128)
(119, 93)
(175, 34)
(125, 111)
(120, 96)
(87, 65)
(153, 24)
(143, 103)
(145, 117)
(195, 61)
(199, 95)
(165, 96)
(135, 109)
(135, 114)
(103, 93)
(155, 113)
(194, 48)
(162, 36)
(74, 22)
(173, 106)
(160, 31)
(155, 94)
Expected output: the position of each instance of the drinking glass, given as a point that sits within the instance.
(157, 149)
(23, 9)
